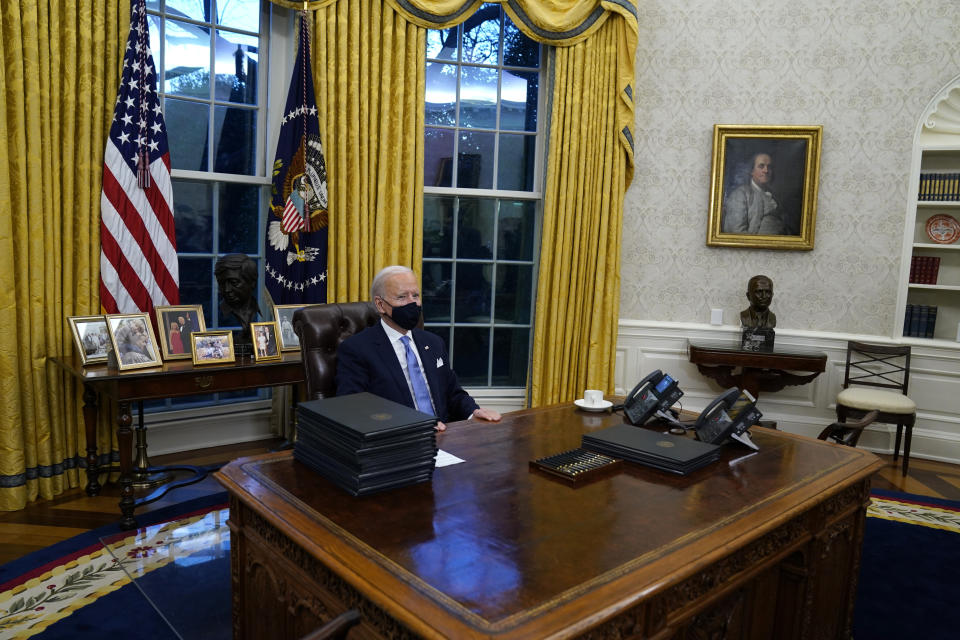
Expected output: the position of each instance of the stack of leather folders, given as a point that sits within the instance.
(663, 451)
(364, 443)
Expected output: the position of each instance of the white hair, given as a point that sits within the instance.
(376, 289)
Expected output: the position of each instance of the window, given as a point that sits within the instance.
(482, 195)
(207, 53)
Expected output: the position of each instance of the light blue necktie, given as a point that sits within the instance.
(420, 392)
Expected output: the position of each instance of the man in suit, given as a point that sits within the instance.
(400, 362)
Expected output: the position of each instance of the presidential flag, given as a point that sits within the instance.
(138, 247)
(296, 239)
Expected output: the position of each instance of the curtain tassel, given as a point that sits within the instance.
(143, 169)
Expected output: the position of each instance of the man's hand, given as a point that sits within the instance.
(486, 414)
(440, 426)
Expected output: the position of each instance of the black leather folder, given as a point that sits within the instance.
(363, 417)
(676, 454)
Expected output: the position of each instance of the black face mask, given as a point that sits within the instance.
(407, 316)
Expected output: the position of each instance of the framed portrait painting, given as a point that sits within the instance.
(266, 345)
(212, 347)
(175, 324)
(91, 337)
(763, 186)
(133, 341)
(283, 315)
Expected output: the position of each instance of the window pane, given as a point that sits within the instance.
(437, 286)
(438, 157)
(475, 228)
(193, 9)
(473, 292)
(438, 226)
(240, 14)
(441, 94)
(153, 24)
(235, 136)
(193, 217)
(478, 97)
(239, 218)
(515, 168)
(481, 36)
(471, 349)
(236, 68)
(518, 49)
(516, 230)
(475, 160)
(187, 124)
(514, 293)
(187, 60)
(196, 284)
(442, 44)
(510, 357)
(518, 106)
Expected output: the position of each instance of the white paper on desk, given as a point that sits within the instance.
(444, 459)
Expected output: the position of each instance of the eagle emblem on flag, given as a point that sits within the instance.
(305, 203)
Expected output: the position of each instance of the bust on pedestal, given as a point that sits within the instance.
(757, 320)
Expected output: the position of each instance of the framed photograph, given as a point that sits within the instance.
(763, 187)
(133, 341)
(212, 347)
(266, 345)
(91, 337)
(283, 315)
(175, 324)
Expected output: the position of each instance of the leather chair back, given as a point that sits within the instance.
(321, 328)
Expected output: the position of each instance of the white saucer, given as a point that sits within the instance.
(603, 406)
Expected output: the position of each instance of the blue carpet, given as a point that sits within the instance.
(202, 589)
(908, 584)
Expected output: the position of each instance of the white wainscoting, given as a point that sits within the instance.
(934, 382)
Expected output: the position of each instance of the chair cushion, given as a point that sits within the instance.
(885, 401)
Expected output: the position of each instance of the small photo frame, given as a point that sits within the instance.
(763, 187)
(91, 337)
(283, 315)
(212, 347)
(133, 340)
(175, 324)
(266, 345)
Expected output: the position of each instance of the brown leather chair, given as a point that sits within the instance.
(321, 328)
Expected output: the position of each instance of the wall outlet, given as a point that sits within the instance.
(716, 316)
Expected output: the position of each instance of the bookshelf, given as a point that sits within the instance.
(930, 271)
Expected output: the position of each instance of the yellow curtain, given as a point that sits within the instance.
(57, 82)
(369, 78)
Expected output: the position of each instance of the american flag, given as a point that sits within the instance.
(296, 239)
(138, 246)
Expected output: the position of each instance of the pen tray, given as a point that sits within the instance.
(577, 465)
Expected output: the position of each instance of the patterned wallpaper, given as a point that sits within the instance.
(864, 70)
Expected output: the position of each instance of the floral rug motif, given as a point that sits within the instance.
(912, 510)
(37, 600)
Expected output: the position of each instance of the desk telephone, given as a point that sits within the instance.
(655, 394)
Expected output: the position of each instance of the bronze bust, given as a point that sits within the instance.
(236, 275)
(760, 294)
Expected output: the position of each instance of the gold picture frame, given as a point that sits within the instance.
(212, 347)
(188, 318)
(764, 203)
(266, 342)
(91, 337)
(133, 340)
(283, 316)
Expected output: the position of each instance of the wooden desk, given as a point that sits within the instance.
(174, 379)
(762, 546)
(757, 371)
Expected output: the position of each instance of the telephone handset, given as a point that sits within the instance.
(656, 392)
(728, 417)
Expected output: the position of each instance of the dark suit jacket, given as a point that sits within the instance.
(366, 361)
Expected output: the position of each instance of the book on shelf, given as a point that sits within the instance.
(931, 322)
(924, 269)
(939, 187)
(919, 321)
(907, 317)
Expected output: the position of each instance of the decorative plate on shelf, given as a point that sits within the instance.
(943, 229)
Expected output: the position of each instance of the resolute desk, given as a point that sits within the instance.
(753, 546)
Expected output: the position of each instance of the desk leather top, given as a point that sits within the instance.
(491, 544)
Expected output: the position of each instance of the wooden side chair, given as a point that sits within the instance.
(876, 379)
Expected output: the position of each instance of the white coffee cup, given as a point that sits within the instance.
(593, 397)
